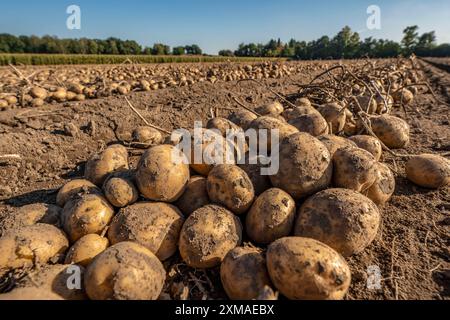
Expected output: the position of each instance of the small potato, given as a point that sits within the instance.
(162, 173)
(354, 168)
(208, 234)
(37, 102)
(305, 166)
(242, 118)
(30, 293)
(86, 249)
(60, 95)
(223, 126)
(404, 96)
(195, 196)
(73, 188)
(270, 109)
(147, 136)
(86, 214)
(313, 123)
(302, 102)
(38, 92)
(344, 219)
(12, 100)
(3, 104)
(253, 168)
(392, 131)
(299, 111)
(231, 187)
(125, 271)
(244, 274)
(428, 171)
(156, 226)
(333, 142)
(383, 188)
(112, 159)
(368, 143)
(333, 114)
(265, 125)
(271, 216)
(120, 190)
(306, 269)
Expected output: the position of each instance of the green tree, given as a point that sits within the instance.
(178, 51)
(160, 49)
(410, 39)
(226, 53)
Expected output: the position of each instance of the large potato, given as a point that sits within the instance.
(195, 196)
(243, 273)
(231, 187)
(208, 234)
(292, 113)
(73, 188)
(147, 136)
(223, 126)
(428, 170)
(112, 159)
(242, 118)
(271, 216)
(333, 142)
(125, 271)
(86, 249)
(155, 225)
(306, 269)
(162, 173)
(333, 114)
(87, 214)
(392, 131)
(270, 109)
(120, 190)
(266, 124)
(368, 143)
(304, 166)
(313, 123)
(383, 188)
(344, 219)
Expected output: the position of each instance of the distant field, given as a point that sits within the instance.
(56, 59)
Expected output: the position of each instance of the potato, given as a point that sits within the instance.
(368, 143)
(231, 187)
(302, 102)
(223, 126)
(156, 226)
(38, 92)
(30, 293)
(354, 168)
(333, 143)
(305, 166)
(392, 131)
(147, 136)
(208, 234)
(31, 245)
(428, 170)
(404, 96)
(266, 124)
(125, 271)
(368, 104)
(120, 190)
(242, 118)
(383, 188)
(195, 196)
(333, 114)
(306, 269)
(270, 109)
(37, 102)
(299, 111)
(86, 214)
(162, 173)
(344, 219)
(252, 167)
(73, 188)
(85, 249)
(112, 159)
(313, 123)
(243, 273)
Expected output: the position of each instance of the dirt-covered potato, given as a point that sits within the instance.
(112, 159)
(404, 96)
(162, 173)
(383, 188)
(120, 190)
(86, 214)
(368, 143)
(270, 109)
(313, 123)
(271, 216)
(30, 293)
(85, 249)
(125, 271)
(252, 167)
(223, 126)
(230, 186)
(195, 196)
(292, 113)
(243, 273)
(333, 142)
(429, 171)
(333, 114)
(306, 269)
(302, 102)
(208, 234)
(305, 166)
(73, 188)
(266, 124)
(368, 104)
(354, 168)
(392, 131)
(344, 219)
(147, 136)
(242, 118)
(31, 245)
(155, 225)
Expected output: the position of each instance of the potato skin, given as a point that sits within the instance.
(309, 159)
(207, 236)
(299, 111)
(313, 123)
(333, 142)
(270, 109)
(125, 271)
(74, 187)
(147, 136)
(162, 173)
(392, 131)
(154, 225)
(383, 188)
(120, 190)
(343, 219)
(368, 143)
(195, 196)
(243, 273)
(271, 216)
(333, 114)
(306, 269)
(230, 186)
(428, 170)
(223, 126)
(242, 118)
(270, 123)
(112, 159)
(86, 249)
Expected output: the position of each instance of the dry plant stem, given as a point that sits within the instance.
(327, 71)
(10, 156)
(245, 107)
(20, 74)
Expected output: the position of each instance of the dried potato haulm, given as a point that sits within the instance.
(306, 269)
(73, 188)
(156, 226)
(125, 271)
(195, 196)
(208, 234)
(392, 131)
(162, 173)
(112, 159)
(344, 219)
(368, 143)
(243, 273)
(305, 166)
(429, 171)
(86, 249)
(403, 96)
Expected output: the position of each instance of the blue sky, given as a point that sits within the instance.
(216, 25)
